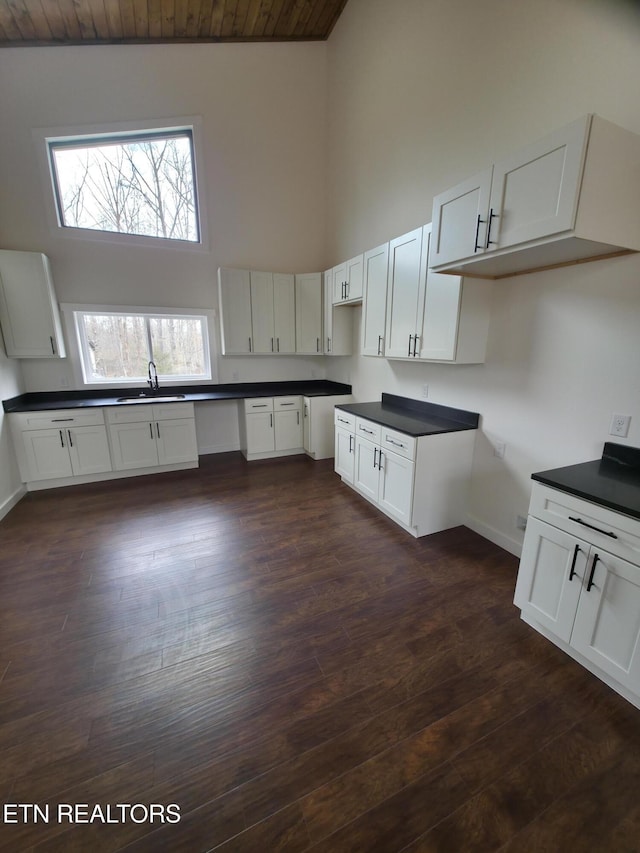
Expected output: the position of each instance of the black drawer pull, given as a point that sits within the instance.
(591, 527)
(573, 562)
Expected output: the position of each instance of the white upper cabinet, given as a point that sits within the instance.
(272, 312)
(347, 281)
(566, 198)
(234, 287)
(308, 311)
(28, 308)
(374, 300)
(338, 322)
(405, 293)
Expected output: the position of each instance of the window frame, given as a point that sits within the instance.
(78, 351)
(75, 136)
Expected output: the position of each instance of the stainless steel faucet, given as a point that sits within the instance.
(153, 377)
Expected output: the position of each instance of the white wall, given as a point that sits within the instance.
(422, 96)
(263, 112)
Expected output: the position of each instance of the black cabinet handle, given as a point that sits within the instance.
(591, 527)
(53, 347)
(573, 562)
(151, 431)
(593, 571)
(475, 242)
(409, 350)
(375, 453)
(157, 429)
(379, 344)
(492, 216)
(61, 438)
(70, 439)
(416, 338)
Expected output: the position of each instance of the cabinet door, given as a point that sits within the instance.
(438, 336)
(607, 625)
(344, 454)
(534, 193)
(354, 278)
(460, 220)
(338, 335)
(405, 293)
(552, 569)
(133, 445)
(46, 454)
(234, 289)
(374, 300)
(338, 283)
(367, 473)
(260, 432)
(284, 312)
(89, 450)
(176, 441)
(28, 308)
(309, 308)
(288, 430)
(262, 320)
(396, 485)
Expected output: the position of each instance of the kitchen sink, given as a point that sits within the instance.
(152, 398)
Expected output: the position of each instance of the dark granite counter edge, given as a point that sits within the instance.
(44, 400)
(416, 417)
(586, 495)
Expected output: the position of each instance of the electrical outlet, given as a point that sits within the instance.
(499, 448)
(620, 425)
(521, 522)
(425, 390)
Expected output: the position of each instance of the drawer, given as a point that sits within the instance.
(64, 418)
(259, 404)
(130, 414)
(344, 420)
(287, 403)
(398, 442)
(169, 411)
(368, 430)
(613, 532)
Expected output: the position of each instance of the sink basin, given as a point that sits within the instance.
(152, 398)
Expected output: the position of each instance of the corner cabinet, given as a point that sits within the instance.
(338, 321)
(579, 584)
(430, 316)
(28, 309)
(317, 424)
(566, 198)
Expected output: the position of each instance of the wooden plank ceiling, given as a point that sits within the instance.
(59, 22)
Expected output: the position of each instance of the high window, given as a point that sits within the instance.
(140, 184)
(117, 346)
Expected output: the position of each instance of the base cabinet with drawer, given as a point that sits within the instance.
(271, 426)
(57, 444)
(152, 435)
(419, 482)
(579, 584)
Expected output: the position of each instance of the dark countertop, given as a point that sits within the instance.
(44, 400)
(413, 417)
(612, 481)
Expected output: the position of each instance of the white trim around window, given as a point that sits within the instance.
(80, 363)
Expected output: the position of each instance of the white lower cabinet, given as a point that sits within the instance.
(419, 482)
(62, 443)
(151, 435)
(271, 426)
(579, 584)
(318, 439)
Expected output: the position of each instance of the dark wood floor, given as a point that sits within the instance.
(256, 644)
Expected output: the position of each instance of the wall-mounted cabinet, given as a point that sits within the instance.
(374, 301)
(347, 281)
(430, 316)
(28, 309)
(567, 198)
(308, 308)
(273, 313)
(338, 322)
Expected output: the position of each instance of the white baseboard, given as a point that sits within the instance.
(493, 535)
(7, 505)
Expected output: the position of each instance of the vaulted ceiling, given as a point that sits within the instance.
(59, 22)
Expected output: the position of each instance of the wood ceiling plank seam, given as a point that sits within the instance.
(41, 21)
(85, 20)
(326, 16)
(22, 19)
(304, 14)
(141, 12)
(215, 19)
(113, 17)
(313, 24)
(255, 18)
(155, 19)
(180, 17)
(193, 18)
(70, 19)
(9, 25)
(168, 13)
(274, 15)
(100, 21)
(202, 22)
(226, 31)
(127, 16)
(240, 19)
